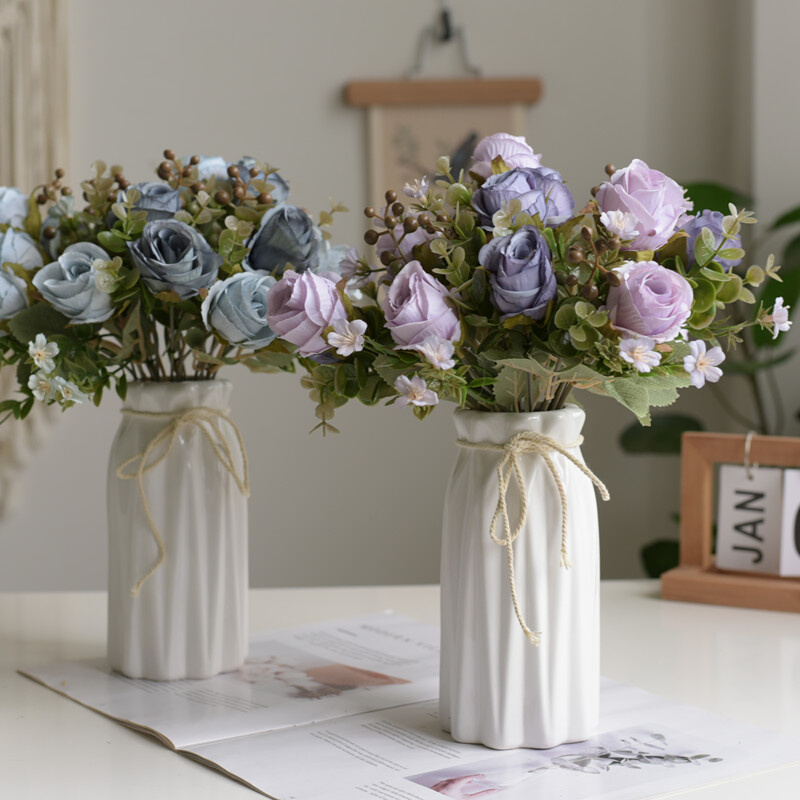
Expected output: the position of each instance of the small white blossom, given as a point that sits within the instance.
(105, 281)
(43, 352)
(639, 351)
(703, 366)
(414, 391)
(69, 392)
(42, 387)
(621, 223)
(418, 188)
(779, 318)
(347, 337)
(438, 352)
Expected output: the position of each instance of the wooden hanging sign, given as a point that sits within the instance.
(443, 92)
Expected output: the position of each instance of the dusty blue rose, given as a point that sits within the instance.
(17, 247)
(287, 236)
(236, 308)
(69, 284)
(540, 190)
(522, 276)
(13, 207)
(13, 294)
(281, 189)
(209, 166)
(171, 256)
(713, 221)
(159, 200)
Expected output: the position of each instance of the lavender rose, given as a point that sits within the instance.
(287, 236)
(654, 200)
(13, 207)
(416, 308)
(237, 309)
(300, 306)
(514, 151)
(652, 301)
(541, 191)
(713, 221)
(70, 284)
(408, 241)
(13, 293)
(522, 276)
(172, 256)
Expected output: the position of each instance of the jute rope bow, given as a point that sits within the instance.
(208, 421)
(522, 444)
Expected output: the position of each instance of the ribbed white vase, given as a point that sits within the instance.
(189, 619)
(497, 688)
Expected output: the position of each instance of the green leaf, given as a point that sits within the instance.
(112, 241)
(660, 556)
(33, 222)
(510, 388)
(704, 247)
(787, 218)
(38, 318)
(715, 197)
(704, 295)
(663, 435)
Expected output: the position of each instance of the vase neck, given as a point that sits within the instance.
(563, 425)
(169, 397)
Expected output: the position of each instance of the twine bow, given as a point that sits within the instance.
(208, 421)
(522, 444)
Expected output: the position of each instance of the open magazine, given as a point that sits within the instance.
(347, 710)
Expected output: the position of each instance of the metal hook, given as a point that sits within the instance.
(444, 32)
(748, 441)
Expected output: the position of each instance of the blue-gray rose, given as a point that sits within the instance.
(159, 200)
(236, 309)
(713, 221)
(171, 256)
(13, 207)
(280, 190)
(209, 166)
(13, 293)
(521, 272)
(540, 190)
(17, 247)
(287, 236)
(69, 284)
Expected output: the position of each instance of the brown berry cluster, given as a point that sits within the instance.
(50, 191)
(396, 214)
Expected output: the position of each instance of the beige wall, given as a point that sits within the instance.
(622, 78)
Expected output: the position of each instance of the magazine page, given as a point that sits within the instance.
(646, 746)
(291, 677)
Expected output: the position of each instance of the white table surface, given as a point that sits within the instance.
(740, 663)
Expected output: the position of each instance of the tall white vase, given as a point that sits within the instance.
(496, 687)
(189, 619)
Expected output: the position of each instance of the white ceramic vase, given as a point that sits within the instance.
(497, 688)
(189, 619)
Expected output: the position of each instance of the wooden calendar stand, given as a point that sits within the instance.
(697, 579)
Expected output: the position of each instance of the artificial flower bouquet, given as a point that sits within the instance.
(162, 281)
(495, 292)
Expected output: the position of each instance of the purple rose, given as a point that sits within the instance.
(299, 308)
(541, 191)
(416, 308)
(408, 241)
(514, 151)
(652, 301)
(713, 221)
(522, 276)
(654, 200)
